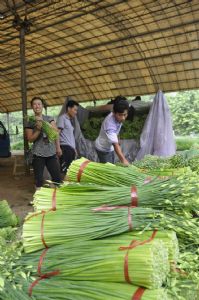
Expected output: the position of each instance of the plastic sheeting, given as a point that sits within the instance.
(157, 137)
(86, 148)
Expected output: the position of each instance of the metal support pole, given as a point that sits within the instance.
(23, 87)
(8, 122)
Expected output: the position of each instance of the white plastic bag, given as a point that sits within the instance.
(157, 136)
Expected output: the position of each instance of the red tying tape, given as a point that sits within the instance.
(34, 215)
(126, 266)
(41, 261)
(148, 179)
(138, 294)
(136, 243)
(134, 196)
(44, 276)
(43, 212)
(81, 169)
(130, 219)
(132, 245)
(108, 208)
(42, 230)
(54, 199)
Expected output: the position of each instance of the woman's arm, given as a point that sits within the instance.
(32, 135)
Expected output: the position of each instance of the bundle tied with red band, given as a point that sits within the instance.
(82, 170)
(58, 288)
(106, 260)
(46, 275)
(55, 227)
(158, 194)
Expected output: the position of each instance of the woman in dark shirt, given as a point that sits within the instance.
(44, 151)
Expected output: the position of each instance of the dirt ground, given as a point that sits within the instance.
(17, 190)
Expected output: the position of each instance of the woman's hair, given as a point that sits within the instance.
(120, 104)
(69, 102)
(38, 98)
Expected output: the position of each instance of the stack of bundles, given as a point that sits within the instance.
(169, 194)
(51, 132)
(56, 227)
(7, 217)
(84, 223)
(118, 259)
(83, 170)
(59, 289)
(184, 187)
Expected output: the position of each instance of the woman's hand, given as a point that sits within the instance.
(38, 124)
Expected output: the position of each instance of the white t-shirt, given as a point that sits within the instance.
(108, 134)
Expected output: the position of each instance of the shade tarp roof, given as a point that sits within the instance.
(98, 49)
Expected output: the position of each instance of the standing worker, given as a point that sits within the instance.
(66, 134)
(44, 151)
(107, 141)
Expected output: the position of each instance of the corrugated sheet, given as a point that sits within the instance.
(98, 49)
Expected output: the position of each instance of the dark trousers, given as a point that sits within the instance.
(68, 155)
(52, 166)
(105, 157)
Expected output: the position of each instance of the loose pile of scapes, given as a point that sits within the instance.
(171, 166)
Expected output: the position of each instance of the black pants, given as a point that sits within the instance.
(52, 166)
(68, 155)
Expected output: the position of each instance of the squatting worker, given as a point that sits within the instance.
(66, 134)
(44, 151)
(107, 141)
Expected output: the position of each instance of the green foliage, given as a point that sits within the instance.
(130, 129)
(91, 128)
(17, 146)
(15, 120)
(188, 158)
(133, 129)
(184, 107)
(186, 143)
